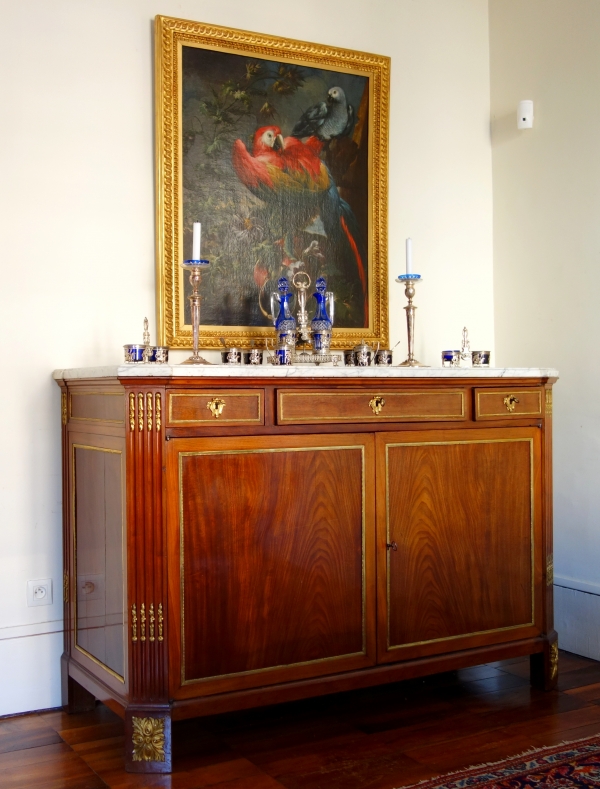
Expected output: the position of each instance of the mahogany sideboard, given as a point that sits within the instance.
(238, 536)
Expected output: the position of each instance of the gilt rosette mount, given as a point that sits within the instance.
(409, 281)
(195, 269)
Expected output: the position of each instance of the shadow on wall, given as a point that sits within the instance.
(504, 129)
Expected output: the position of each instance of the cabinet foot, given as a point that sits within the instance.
(75, 698)
(544, 665)
(148, 739)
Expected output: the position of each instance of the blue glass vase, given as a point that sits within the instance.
(285, 323)
(321, 324)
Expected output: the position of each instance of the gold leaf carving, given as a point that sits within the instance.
(149, 410)
(548, 401)
(64, 408)
(148, 739)
(131, 411)
(152, 620)
(158, 412)
(134, 620)
(553, 660)
(160, 622)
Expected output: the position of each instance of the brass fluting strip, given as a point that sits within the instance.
(133, 623)
(152, 620)
(149, 409)
(160, 622)
(141, 411)
(158, 412)
(131, 411)
(143, 622)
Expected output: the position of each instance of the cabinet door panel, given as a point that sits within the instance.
(275, 553)
(464, 515)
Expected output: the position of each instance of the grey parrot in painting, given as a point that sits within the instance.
(327, 119)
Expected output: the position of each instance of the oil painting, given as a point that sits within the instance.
(282, 159)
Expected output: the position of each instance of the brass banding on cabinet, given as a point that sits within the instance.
(367, 405)
(507, 403)
(199, 407)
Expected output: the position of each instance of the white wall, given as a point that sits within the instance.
(547, 257)
(77, 213)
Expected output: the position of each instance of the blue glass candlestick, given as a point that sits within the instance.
(285, 323)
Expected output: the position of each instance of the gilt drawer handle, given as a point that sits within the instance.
(216, 406)
(510, 402)
(377, 404)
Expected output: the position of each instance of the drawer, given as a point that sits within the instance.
(216, 406)
(96, 406)
(507, 403)
(369, 405)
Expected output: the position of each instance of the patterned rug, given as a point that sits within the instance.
(566, 766)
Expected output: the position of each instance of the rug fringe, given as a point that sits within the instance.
(529, 752)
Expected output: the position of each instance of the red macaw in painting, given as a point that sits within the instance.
(288, 175)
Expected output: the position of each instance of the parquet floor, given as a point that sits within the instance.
(378, 738)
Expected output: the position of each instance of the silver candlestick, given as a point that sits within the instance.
(302, 282)
(409, 281)
(195, 267)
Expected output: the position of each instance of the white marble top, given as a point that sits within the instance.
(139, 370)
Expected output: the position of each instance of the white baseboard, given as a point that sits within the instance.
(30, 676)
(577, 620)
(575, 583)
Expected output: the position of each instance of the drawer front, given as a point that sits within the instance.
(213, 407)
(96, 406)
(507, 403)
(369, 405)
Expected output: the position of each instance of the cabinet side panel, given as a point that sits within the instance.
(272, 558)
(97, 474)
(461, 515)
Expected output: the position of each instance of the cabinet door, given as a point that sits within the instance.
(271, 540)
(459, 539)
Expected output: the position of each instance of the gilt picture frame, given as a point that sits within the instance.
(280, 149)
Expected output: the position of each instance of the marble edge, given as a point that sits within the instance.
(269, 371)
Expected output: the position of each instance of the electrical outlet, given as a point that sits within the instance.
(39, 592)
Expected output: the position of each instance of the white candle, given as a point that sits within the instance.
(196, 241)
(409, 255)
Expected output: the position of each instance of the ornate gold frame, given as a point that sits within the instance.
(170, 35)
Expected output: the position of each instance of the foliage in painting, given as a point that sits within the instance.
(275, 168)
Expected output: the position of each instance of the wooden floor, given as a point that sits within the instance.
(383, 737)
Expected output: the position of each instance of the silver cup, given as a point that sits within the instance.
(253, 356)
(383, 357)
(161, 354)
(134, 353)
(450, 358)
(480, 358)
(231, 356)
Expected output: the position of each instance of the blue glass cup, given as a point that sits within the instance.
(450, 358)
